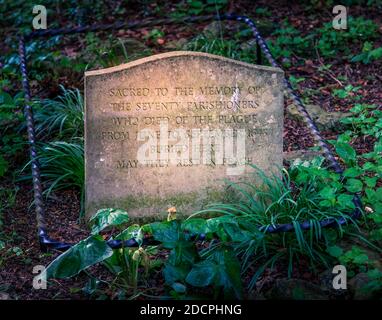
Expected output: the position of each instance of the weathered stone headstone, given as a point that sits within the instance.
(168, 129)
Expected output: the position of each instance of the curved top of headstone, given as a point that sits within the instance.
(175, 54)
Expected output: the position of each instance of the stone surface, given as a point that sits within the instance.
(131, 48)
(323, 119)
(214, 29)
(167, 130)
(303, 155)
(179, 44)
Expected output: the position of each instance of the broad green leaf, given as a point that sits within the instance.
(232, 269)
(346, 200)
(166, 232)
(345, 151)
(361, 259)
(325, 203)
(79, 257)
(335, 251)
(179, 287)
(108, 217)
(357, 108)
(371, 182)
(352, 172)
(183, 252)
(195, 226)
(115, 262)
(378, 194)
(344, 138)
(377, 215)
(378, 207)
(355, 255)
(214, 224)
(328, 193)
(173, 273)
(202, 274)
(235, 232)
(133, 231)
(354, 185)
(370, 193)
(228, 273)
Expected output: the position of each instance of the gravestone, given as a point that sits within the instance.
(171, 129)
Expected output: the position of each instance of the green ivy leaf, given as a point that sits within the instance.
(229, 276)
(166, 232)
(195, 226)
(113, 263)
(79, 257)
(202, 274)
(133, 231)
(176, 273)
(183, 252)
(108, 217)
(236, 233)
(214, 223)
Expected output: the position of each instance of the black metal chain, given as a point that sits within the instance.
(261, 45)
(37, 188)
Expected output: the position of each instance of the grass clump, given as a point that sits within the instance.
(63, 117)
(299, 195)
